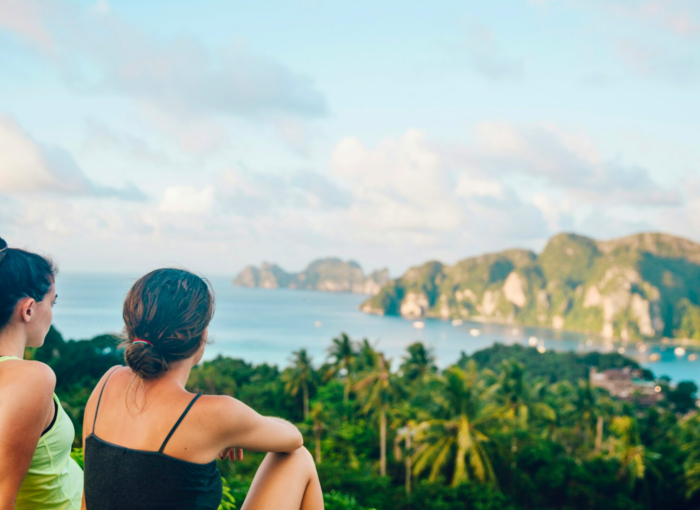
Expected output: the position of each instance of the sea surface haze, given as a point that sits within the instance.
(266, 326)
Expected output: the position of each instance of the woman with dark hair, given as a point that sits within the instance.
(150, 444)
(36, 435)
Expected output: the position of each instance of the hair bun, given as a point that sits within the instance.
(145, 360)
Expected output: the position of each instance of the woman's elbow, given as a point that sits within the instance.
(297, 442)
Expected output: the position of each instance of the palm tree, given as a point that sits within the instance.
(419, 363)
(521, 400)
(634, 458)
(379, 388)
(690, 429)
(586, 409)
(319, 418)
(405, 421)
(300, 376)
(405, 434)
(366, 358)
(343, 353)
(459, 433)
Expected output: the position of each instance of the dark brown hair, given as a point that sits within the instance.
(22, 274)
(171, 309)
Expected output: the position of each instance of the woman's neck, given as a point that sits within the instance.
(12, 342)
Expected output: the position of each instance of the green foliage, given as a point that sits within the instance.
(551, 365)
(470, 496)
(336, 501)
(506, 428)
(688, 319)
(77, 455)
(568, 258)
(78, 366)
(228, 501)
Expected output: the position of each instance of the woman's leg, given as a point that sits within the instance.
(285, 481)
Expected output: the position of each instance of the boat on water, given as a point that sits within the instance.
(532, 341)
(474, 332)
(419, 325)
(457, 322)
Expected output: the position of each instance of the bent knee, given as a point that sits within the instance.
(301, 458)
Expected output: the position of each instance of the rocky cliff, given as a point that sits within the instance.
(330, 275)
(642, 286)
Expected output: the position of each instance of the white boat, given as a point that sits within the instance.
(679, 351)
(532, 341)
(419, 324)
(655, 357)
(693, 357)
(457, 322)
(541, 349)
(318, 324)
(474, 332)
(621, 350)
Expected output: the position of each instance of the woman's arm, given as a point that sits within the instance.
(27, 409)
(240, 426)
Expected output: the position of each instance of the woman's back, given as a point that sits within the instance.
(151, 444)
(148, 457)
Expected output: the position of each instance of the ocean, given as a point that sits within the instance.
(266, 326)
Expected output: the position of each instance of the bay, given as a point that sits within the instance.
(266, 326)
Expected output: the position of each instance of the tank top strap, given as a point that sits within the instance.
(177, 424)
(97, 409)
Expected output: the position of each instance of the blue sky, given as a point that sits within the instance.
(217, 134)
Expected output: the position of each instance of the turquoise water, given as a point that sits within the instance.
(261, 325)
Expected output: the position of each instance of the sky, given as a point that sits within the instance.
(213, 135)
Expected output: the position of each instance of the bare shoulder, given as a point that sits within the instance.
(222, 411)
(218, 404)
(29, 386)
(29, 376)
(113, 370)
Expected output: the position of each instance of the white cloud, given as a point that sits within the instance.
(187, 200)
(468, 187)
(567, 161)
(28, 167)
(182, 87)
(402, 200)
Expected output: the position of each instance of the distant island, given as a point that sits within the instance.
(643, 286)
(329, 275)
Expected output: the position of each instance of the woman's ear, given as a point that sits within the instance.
(26, 308)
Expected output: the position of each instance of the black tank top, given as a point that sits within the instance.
(118, 478)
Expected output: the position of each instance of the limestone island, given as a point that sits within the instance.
(328, 275)
(645, 286)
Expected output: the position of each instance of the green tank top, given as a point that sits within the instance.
(54, 480)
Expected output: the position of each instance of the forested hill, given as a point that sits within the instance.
(329, 274)
(641, 286)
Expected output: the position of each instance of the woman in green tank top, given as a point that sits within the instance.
(36, 435)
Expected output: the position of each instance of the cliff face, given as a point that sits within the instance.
(642, 286)
(329, 275)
